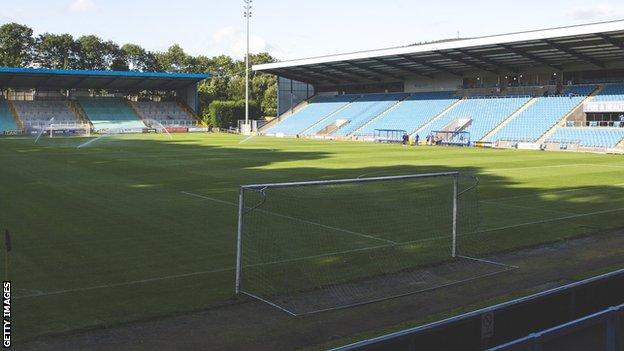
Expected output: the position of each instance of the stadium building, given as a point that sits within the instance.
(559, 88)
(35, 101)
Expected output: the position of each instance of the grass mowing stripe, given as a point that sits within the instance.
(294, 219)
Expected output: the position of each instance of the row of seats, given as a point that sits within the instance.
(7, 122)
(543, 114)
(111, 114)
(317, 109)
(485, 114)
(360, 112)
(37, 112)
(611, 92)
(168, 112)
(605, 137)
(412, 113)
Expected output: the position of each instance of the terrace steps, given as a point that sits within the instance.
(300, 106)
(397, 104)
(563, 119)
(439, 115)
(508, 119)
(18, 121)
(330, 115)
(137, 111)
(186, 108)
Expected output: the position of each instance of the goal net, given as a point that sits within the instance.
(313, 246)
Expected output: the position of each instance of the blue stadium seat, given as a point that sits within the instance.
(7, 122)
(486, 113)
(588, 136)
(543, 114)
(411, 113)
(111, 114)
(317, 109)
(611, 92)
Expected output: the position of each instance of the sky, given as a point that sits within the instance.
(298, 29)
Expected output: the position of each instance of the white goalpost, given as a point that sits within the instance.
(306, 247)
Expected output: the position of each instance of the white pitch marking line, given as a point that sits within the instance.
(294, 218)
(104, 286)
(246, 139)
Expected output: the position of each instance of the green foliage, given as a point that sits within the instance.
(225, 114)
(55, 51)
(16, 45)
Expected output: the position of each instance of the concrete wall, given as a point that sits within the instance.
(438, 83)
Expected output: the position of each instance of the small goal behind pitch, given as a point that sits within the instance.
(307, 247)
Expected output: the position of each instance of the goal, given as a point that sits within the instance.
(307, 247)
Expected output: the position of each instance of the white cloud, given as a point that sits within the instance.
(232, 41)
(82, 6)
(596, 12)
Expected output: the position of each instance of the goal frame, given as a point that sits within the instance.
(255, 187)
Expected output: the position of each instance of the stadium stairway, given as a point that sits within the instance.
(186, 108)
(75, 107)
(16, 117)
(300, 106)
(137, 111)
(7, 120)
(508, 119)
(436, 117)
(383, 113)
(564, 118)
(331, 115)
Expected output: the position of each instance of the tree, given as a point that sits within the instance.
(16, 45)
(137, 58)
(55, 51)
(174, 59)
(94, 53)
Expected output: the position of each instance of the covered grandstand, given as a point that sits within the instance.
(549, 89)
(33, 100)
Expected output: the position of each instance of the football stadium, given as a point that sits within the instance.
(461, 194)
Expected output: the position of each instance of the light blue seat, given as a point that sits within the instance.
(317, 109)
(485, 112)
(7, 122)
(361, 112)
(588, 136)
(543, 114)
(611, 92)
(411, 113)
(111, 114)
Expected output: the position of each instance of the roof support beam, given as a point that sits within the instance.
(353, 74)
(403, 68)
(431, 65)
(336, 79)
(297, 76)
(374, 70)
(466, 62)
(488, 61)
(574, 53)
(532, 57)
(615, 42)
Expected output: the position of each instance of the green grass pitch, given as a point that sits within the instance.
(115, 232)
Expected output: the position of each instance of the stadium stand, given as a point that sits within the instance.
(111, 114)
(611, 92)
(168, 113)
(598, 137)
(485, 112)
(7, 122)
(363, 110)
(38, 113)
(532, 123)
(412, 113)
(318, 108)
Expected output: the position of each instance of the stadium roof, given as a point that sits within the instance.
(85, 79)
(597, 45)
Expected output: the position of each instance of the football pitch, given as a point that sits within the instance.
(140, 226)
